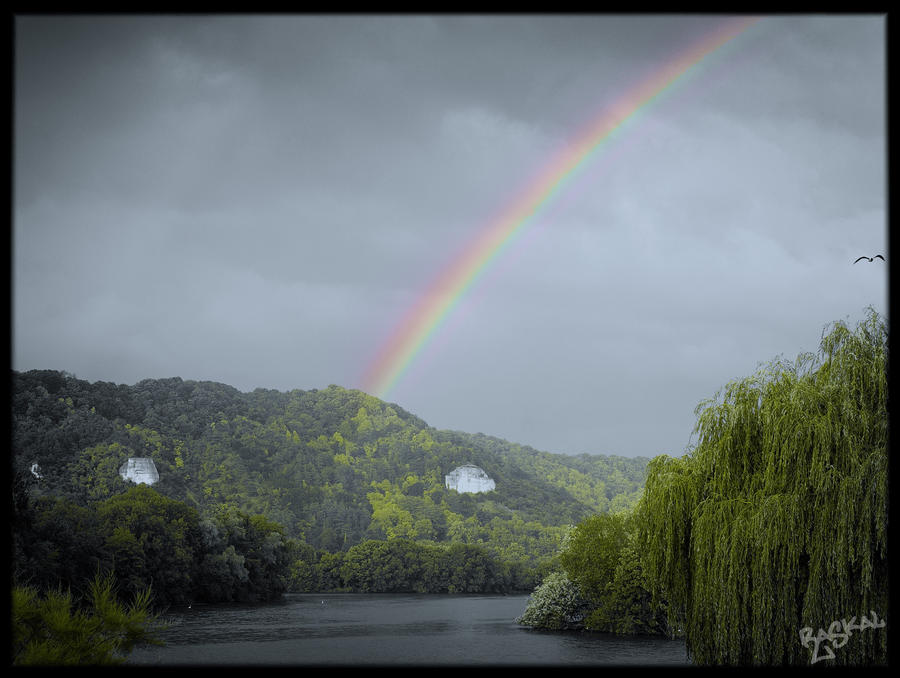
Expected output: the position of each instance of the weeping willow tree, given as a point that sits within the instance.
(776, 521)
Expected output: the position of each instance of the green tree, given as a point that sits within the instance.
(128, 558)
(64, 545)
(329, 571)
(50, 629)
(469, 568)
(777, 520)
(592, 552)
(164, 533)
(382, 566)
(626, 606)
(248, 557)
(302, 575)
(600, 556)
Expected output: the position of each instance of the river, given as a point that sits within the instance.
(388, 629)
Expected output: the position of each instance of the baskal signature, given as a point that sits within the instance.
(838, 634)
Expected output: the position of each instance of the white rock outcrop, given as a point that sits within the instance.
(139, 470)
(469, 478)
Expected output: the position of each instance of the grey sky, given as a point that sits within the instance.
(257, 200)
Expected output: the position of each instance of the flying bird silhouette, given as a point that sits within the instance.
(877, 256)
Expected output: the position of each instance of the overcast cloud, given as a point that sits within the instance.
(257, 200)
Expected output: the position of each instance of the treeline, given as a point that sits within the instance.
(147, 541)
(767, 543)
(333, 467)
(405, 566)
(266, 492)
(89, 582)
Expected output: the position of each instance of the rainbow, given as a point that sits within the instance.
(432, 308)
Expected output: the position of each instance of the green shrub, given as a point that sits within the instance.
(50, 629)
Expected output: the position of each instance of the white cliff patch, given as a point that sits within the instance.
(139, 470)
(469, 478)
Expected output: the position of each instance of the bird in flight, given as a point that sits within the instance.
(877, 256)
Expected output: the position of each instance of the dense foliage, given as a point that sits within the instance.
(145, 539)
(775, 525)
(599, 585)
(401, 565)
(53, 629)
(602, 557)
(267, 491)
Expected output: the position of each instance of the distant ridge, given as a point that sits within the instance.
(334, 466)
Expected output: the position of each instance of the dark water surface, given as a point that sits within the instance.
(382, 629)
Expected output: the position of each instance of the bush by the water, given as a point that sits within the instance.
(556, 604)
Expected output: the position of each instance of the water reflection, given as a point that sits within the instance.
(354, 629)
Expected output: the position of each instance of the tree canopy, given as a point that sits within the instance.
(264, 492)
(334, 467)
(777, 520)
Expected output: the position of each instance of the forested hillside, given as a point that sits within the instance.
(334, 468)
